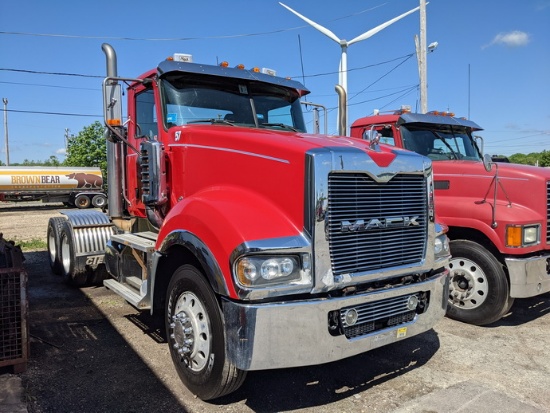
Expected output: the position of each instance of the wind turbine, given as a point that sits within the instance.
(344, 44)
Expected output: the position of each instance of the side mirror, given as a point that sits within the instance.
(487, 162)
(372, 137)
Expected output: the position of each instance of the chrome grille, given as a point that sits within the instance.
(353, 197)
(378, 315)
(548, 212)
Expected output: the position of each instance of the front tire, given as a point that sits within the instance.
(479, 291)
(196, 337)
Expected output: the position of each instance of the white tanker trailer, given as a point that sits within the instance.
(80, 187)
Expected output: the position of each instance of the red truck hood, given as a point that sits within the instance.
(281, 144)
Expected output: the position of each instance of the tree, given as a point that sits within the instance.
(544, 158)
(52, 161)
(88, 148)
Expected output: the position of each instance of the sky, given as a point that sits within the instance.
(491, 65)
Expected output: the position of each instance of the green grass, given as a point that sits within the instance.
(31, 245)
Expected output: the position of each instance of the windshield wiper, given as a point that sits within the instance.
(442, 139)
(212, 120)
(280, 125)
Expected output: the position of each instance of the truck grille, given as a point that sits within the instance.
(378, 315)
(548, 212)
(363, 222)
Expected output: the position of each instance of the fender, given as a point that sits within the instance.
(464, 212)
(192, 243)
(223, 218)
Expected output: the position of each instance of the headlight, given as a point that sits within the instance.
(262, 271)
(441, 246)
(522, 235)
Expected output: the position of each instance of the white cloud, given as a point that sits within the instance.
(515, 38)
(61, 151)
(542, 5)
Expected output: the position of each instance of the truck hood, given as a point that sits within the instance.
(505, 170)
(465, 190)
(280, 144)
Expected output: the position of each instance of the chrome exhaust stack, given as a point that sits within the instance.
(112, 112)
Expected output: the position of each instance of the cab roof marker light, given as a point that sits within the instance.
(182, 57)
(270, 72)
(224, 64)
(240, 66)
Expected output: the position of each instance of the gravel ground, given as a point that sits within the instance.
(92, 352)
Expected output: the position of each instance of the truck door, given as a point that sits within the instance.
(143, 126)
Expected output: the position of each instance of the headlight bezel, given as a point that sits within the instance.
(255, 277)
(522, 235)
(441, 246)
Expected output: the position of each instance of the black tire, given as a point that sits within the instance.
(82, 201)
(479, 290)
(99, 201)
(53, 240)
(73, 274)
(201, 363)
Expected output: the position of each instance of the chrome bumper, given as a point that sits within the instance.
(529, 276)
(293, 334)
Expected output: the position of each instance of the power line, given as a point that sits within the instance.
(53, 113)
(383, 76)
(50, 73)
(54, 86)
(37, 72)
(231, 36)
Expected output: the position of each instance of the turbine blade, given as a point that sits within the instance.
(322, 29)
(372, 32)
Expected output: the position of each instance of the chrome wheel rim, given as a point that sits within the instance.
(190, 332)
(468, 288)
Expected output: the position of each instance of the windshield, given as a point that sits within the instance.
(191, 99)
(440, 142)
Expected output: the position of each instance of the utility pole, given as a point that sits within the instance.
(421, 57)
(422, 64)
(6, 130)
(66, 140)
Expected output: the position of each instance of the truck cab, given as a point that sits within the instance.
(497, 212)
(260, 245)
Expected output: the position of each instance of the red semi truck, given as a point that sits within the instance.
(498, 213)
(80, 187)
(261, 245)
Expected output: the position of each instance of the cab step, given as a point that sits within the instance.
(128, 293)
(133, 289)
(142, 241)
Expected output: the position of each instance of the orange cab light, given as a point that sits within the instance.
(513, 236)
(114, 122)
(224, 64)
(240, 66)
(170, 58)
(256, 69)
(451, 114)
